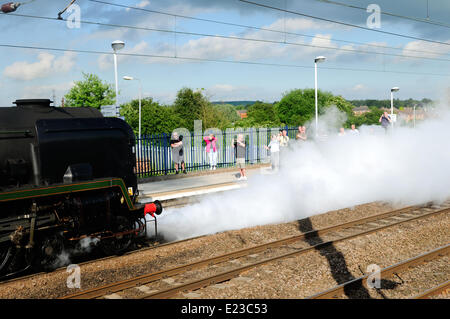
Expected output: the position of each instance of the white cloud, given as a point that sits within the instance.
(216, 48)
(224, 48)
(438, 49)
(106, 61)
(229, 92)
(65, 63)
(239, 50)
(46, 65)
(223, 87)
(141, 4)
(46, 91)
(359, 87)
(299, 24)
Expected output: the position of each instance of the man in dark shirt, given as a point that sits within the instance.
(385, 120)
(239, 151)
(176, 143)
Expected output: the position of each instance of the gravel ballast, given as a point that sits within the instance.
(292, 278)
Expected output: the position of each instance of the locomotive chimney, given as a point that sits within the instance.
(33, 103)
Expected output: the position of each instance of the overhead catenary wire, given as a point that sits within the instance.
(234, 38)
(142, 55)
(257, 28)
(345, 23)
(437, 23)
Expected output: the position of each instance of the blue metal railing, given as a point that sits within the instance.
(154, 154)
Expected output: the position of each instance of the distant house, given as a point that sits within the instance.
(388, 109)
(242, 113)
(361, 110)
(407, 114)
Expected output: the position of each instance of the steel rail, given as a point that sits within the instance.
(168, 203)
(224, 276)
(443, 288)
(385, 272)
(87, 262)
(144, 279)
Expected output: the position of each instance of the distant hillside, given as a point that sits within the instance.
(235, 103)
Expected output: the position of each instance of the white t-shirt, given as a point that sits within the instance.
(274, 146)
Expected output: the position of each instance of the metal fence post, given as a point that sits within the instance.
(165, 159)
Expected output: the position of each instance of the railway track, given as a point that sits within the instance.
(189, 196)
(365, 281)
(442, 289)
(151, 245)
(170, 282)
(192, 196)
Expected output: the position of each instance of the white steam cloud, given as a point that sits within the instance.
(84, 246)
(409, 166)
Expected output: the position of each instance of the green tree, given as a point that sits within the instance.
(369, 118)
(342, 104)
(260, 114)
(298, 106)
(213, 117)
(155, 118)
(191, 106)
(91, 91)
(229, 111)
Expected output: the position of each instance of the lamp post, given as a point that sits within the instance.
(318, 59)
(116, 46)
(394, 89)
(414, 115)
(130, 78)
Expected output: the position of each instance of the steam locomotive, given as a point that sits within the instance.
(66, 174)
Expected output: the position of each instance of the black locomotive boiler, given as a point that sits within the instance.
(66, 175)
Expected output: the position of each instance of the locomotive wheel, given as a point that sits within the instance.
(118, 245)
(6, 252)
(50, 252)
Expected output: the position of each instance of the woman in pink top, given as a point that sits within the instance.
(212, 153)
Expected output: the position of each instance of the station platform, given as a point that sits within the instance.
(165, 188)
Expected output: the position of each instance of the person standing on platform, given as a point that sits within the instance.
(211, 150)
(274, 147)
(283, 139)
(354, 130)
(239, 151)
(176, 143)
(298, 133)
(385, 121)
(301, 135)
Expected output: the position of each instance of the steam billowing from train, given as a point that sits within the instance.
(409, 166)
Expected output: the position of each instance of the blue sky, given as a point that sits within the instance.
(26, 73)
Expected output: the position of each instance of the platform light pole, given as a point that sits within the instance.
(394, 89)
(130, 78)
(116, 46)
(318, 59)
